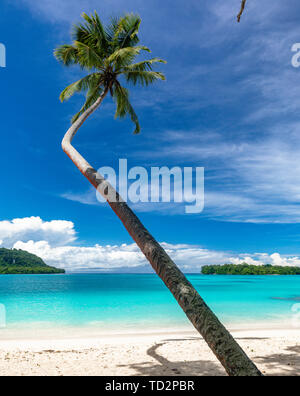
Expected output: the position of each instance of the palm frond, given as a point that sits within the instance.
(124, 108)
(143, 77)
(91, 97)
(66, 54)
(126, 31)
(86, 83)
(144, 65)
(111, 29)
(88, 56)
(83, 33)
(124, 56)
(92, 33)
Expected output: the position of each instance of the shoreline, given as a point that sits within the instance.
(38, 331)
(175, 353)
(62, 338)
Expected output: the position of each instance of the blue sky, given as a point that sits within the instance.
(230, 104)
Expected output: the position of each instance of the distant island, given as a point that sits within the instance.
(13, 262)
(246, 269)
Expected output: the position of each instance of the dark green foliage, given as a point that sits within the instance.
(246, 269)
(21, 262)
(108, 54)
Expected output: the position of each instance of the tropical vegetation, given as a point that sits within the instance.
(246, 269)
(108, 55)
(13, 261)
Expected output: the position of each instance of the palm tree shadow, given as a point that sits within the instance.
(286, 363)
(282, 364)
(164, 367)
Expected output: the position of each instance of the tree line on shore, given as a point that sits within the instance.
(247, 269)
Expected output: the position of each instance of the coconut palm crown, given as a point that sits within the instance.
(108, 54)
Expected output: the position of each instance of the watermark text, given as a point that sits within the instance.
(157, 185)
(2, 316)
(296, 57)
(2, 55)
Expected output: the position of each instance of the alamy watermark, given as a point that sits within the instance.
(160, 184)
(296, 315)
(2, 55)
(296, 57)
(2, 316)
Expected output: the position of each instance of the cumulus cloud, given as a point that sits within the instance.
(190, 258)
(291, 261)
(56, 232)
(74, 258)
(53, 241)
(262, 258)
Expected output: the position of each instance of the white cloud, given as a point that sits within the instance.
(86, 198)
(251, 181)
(291, 261)
(263, 186)
(262, 258)
(56, 232)
(52, 241)
(82, 258)
(190, 258)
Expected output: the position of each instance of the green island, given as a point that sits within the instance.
(246, 269)
(13, 262)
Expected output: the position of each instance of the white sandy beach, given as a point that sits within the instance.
(275, 351)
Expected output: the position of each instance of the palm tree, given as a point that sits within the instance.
(108, 54)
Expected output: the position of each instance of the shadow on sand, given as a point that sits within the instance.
(286, 363)
(164, 367)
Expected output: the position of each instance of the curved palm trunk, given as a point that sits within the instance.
(226, 349)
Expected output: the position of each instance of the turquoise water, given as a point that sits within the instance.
(130, 302)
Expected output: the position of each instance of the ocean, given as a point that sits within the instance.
(121, 303)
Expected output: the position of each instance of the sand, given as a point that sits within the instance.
(276, 352)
